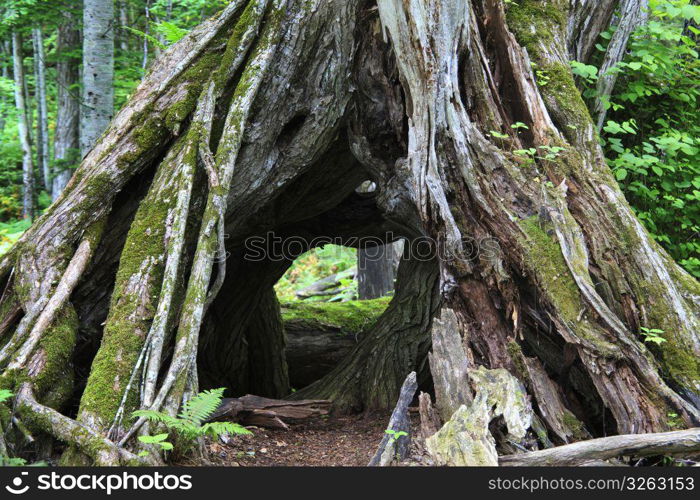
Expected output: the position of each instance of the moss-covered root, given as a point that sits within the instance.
(135, 298)
(74, 271)
(175, 385)
(41, 418)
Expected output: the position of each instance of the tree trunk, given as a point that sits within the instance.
(98, 71)
(42, 128)
(375, 271)
(5, 72)
(266, 118)
(66, 141)
(23, 128)
(123, 23)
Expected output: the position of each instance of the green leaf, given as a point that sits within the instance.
(199, 408)
(621, 174)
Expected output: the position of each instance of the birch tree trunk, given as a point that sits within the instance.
(98, 71)
(7, 62)
(23, 128)
(265, 119)
(42, 129)
(66, 136)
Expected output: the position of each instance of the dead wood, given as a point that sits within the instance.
(395, 443)
(273, 413)
(636, 445)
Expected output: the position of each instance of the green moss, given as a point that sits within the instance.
(516, 354)
(130, 311)
(53, 383)
(574, 425)
(194, 79)
(354, 316)
(546, 262)
(536, 25)
(250, 15)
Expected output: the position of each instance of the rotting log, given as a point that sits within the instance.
(320, 335)
(264, 412)
(680, 443)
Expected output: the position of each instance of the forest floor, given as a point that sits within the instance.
(333, 441)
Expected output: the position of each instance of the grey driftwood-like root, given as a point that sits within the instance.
(631, 445)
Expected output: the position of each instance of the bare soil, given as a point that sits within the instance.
(332, 441)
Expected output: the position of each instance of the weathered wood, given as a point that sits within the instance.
(449, 366)
(466, 440)
(393, 447)
(550, 404)
(48, 420)
(265, 412)
(429, 420)
(635, 445)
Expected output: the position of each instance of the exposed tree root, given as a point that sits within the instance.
(45, 419)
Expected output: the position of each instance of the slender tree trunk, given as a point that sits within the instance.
(146, 30)
(375, 271)
(123, 22)
(66, 136)
(267, 118)
(5, 72)
(23, 128)
(42, 129)
(97, 106)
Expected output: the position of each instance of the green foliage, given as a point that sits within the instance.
(191, 423)
(395, 435)
(5, 395)
(652, 335)
(171, 32)
(145, 35)
(11, 232)
(652, 132)
(316, 264)
(158, 440)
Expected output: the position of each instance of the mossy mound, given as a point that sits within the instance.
(353, 316)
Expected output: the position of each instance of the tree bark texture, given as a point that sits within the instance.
(266, 118)
(23, 128)
(42, 129)
(376, 271)
(97, 107)
(66, 140)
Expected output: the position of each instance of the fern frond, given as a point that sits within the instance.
(215, 429)
(157, 416)
(5, 395)
(148, 37)
(200, 407)
(170, 31)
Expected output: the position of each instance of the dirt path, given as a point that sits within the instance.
(332, 441)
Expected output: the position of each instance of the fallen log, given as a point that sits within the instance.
(320, 334)
(330, 285)
(636, 445)
(273, 413)
(395, 443)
